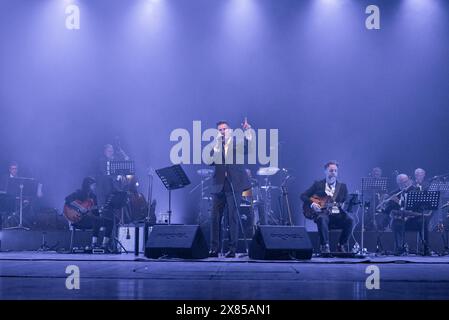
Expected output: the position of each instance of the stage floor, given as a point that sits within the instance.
(42, 275)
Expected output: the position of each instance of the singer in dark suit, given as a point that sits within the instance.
(228, 182)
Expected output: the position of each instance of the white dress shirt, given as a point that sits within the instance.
(330, 189)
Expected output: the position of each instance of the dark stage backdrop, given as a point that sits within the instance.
(138, 69)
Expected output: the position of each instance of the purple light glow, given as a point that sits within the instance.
(139, 69)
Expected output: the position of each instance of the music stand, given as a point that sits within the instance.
(371, 185)
(421, 201)
(440, 183)
(19, 188)
(173, 178)
(120, 167)
(118, 199)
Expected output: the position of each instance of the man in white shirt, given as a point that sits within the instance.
(333, 217)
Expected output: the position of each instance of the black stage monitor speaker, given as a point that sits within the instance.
(178, 241)
(280, 243)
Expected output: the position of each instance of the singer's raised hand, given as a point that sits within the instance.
(246, 125)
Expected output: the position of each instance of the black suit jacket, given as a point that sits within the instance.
(4, 182)
(425, 185)
(319, 188)
(236, 173)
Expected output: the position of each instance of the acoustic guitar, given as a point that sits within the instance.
(74, 214)
(327, 204)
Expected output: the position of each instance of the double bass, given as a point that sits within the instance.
(139, 209)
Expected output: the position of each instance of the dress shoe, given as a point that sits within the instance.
(230, 254)
(427, 252)
(107, 249)
(213, 254)
(341, 248)
(325, 249)
(400, 251)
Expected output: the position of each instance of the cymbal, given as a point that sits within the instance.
(205, 172)
(268, 171)
(269, 187)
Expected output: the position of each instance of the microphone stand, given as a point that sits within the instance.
(150, 193)
(20, 225)
(285, 203)
(147, 220)
(440, 176)
(237, 207)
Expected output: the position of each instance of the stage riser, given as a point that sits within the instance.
(19, 240)
(387, 240)
(22, 240)
(370, 241)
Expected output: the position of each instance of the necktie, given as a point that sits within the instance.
(223, 157)
(223, 149)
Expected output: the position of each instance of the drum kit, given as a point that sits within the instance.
(256, 204)
(205, 203)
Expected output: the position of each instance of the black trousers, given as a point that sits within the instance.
(399, 226)
(95, 223)
(339, 221)
(221, 201)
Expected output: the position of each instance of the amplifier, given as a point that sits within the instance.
(127, 236)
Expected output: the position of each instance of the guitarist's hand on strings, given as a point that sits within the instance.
(315, 206)
(78, 207)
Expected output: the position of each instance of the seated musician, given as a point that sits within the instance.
(376, 172)
(403, 220)
(105, 182)
(111, 188)
(420, 180)
(84, 201)
(7, 202)
(30, 202)
(336, 219)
